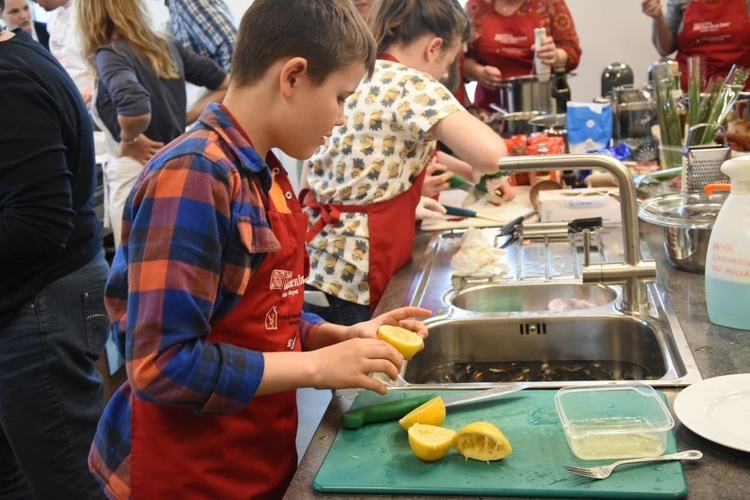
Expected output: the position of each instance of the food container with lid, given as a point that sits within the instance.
(614, 421)
(687, 221)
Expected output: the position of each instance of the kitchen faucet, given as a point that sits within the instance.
(634, 271)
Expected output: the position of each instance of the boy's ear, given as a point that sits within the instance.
(433, 48)
(291, 73)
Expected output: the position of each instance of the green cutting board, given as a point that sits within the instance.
(377, 459)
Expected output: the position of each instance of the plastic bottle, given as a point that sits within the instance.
(561, 90)
(728, 257)
(542, 70)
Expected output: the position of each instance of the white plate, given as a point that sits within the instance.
(717, 409)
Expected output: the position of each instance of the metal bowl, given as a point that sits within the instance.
(687, 221)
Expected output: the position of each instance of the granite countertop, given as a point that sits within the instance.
(722, 473)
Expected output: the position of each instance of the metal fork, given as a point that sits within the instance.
(604, 471)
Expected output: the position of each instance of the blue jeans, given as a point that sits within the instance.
(339, 311)
(50, 391)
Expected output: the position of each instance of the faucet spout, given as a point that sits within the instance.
(633, 269)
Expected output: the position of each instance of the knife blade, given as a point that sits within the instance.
(465, 212)
(392, 410)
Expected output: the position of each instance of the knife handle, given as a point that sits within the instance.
(457, 181)
(461, 212)
(354, 419)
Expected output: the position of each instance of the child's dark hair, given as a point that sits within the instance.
(393, 21)
(330, 34)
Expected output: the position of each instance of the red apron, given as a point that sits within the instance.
(506, 44)
(179, 454)
(717, 31)
(391, 224)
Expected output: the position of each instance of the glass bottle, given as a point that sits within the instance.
(561, 90)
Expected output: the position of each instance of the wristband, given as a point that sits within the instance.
(131, 141)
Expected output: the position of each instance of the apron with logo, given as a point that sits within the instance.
(506, 44)
(717, 31)
(177, 453)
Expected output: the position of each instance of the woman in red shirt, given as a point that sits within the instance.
(503, 43)
(716, 30)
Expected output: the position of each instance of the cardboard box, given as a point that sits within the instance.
(569, 204)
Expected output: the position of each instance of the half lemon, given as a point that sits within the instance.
(430, 442)
(407, 342)
(482, 441)
(431, 413)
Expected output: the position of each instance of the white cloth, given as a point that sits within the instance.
(375, 156)
(65, 45)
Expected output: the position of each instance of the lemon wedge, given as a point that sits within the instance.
(482, 441)
(407, 342)
(430, 413)
(430, 442)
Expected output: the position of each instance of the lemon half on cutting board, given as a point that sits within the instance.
(430, 442)
(405, 341)
(430, 413)
(482, 441)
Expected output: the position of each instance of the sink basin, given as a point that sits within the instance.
(551, 350)
(531, 297)
(492, 331)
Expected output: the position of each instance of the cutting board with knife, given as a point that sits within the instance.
(496, 215)
(376, 457)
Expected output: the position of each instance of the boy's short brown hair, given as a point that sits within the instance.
(330, 34)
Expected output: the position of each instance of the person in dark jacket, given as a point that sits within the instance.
(53, 323)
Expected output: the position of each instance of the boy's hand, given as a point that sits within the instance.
(349, 364)
(397, 317)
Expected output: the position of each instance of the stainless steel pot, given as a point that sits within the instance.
(511, 124)
(526, 93)
(552, 125)
(687, 222)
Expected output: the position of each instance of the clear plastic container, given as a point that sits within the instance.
(611, 422)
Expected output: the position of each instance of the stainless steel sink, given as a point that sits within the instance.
(501, 329)
(548, 350)
(531, 297)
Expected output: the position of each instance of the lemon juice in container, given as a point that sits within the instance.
(728, 257)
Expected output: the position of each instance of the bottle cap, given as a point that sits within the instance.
(738, 170)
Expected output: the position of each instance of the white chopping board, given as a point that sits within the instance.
(519, 207)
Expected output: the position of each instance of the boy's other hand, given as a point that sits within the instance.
(396, 317)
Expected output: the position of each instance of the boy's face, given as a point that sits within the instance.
(319, 109)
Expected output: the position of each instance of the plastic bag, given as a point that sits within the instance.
(589, 126)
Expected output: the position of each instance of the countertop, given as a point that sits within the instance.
(723, 473)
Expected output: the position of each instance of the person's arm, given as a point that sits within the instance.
(474, 69)
(36, 208)
(567, 46)
(204, 72)
(342, 356)
(132, 104)
(471, 140)
(199, 105)
(662, 33)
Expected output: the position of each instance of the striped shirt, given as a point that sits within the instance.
(205, 27)
(194, 231)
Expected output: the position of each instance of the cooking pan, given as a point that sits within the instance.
(526, 93)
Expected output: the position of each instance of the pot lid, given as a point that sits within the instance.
(694, 210)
